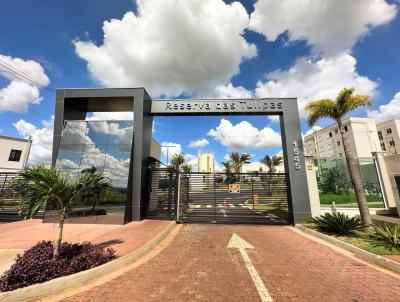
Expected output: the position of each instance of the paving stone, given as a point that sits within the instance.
(198, 266)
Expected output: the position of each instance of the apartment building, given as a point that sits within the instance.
(206, 162)
(389, 137)
(360, 133)
(14, 153)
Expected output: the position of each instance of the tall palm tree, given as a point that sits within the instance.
(39, 186)
(344, 103)
(271, 162)
(186, 168)
(238, 160)
(96, 185)
(228, 169)
(177, 161)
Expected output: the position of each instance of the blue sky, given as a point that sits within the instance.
(198, 48)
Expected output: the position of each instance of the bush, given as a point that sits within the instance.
(337, 223)
(388, 233)
(37, 264)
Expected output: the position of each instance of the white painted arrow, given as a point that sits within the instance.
(237, 242)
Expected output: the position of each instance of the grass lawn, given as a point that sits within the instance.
(270, 209)
(349, 200)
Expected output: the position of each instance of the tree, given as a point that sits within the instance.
(177, 161)
(271, 162)
(344, 103)
(186, 168)
(238, 160)
(228, 169)
(97, 184)
(40, 186)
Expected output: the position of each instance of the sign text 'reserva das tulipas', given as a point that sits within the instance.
(234, 105)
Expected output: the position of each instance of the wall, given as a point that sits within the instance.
(393, 169)
(8, 143)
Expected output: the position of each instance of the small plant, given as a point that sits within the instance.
(388, 233)
(37, 264)
(337, 223)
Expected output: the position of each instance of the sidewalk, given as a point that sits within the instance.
(15, 237)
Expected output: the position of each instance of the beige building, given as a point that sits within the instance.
(389, 137)
(206, 162)
(259, 167)
(14, 153)
(360, 133)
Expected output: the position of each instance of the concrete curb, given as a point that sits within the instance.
(59, 284)
(376, 259)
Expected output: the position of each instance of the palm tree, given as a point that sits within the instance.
(39, 186)
(271, 162)
(238, 160)
(228, 169)
(344, 103)
(96, 185)
(177, 161)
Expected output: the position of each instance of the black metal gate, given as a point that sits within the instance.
(255, 198)
(162, 193)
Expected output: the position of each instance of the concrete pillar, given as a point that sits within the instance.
(312, 186)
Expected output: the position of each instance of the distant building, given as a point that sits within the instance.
(14, 153)
(206, 162)
(389, 136)
(360, 133)
(259, 167)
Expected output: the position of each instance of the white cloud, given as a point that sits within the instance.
(171, 47)
(230, 92)
(42, 139)
(329, 26)
(19, 93)
(191, 160)
(200, 143)
(107, 116)
(387, 112)
(244, 136)
(309, 80)
(173, 149)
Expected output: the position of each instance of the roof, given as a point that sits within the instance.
(15, 138)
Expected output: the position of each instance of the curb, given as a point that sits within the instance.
(59, 284)
(376, 259)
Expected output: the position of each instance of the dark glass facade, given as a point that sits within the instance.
(106, 147)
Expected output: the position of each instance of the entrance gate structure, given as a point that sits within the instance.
(73, 104)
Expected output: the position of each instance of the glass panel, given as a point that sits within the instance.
(69, 157)
(97, 132)
(93, 156)
(74, 133)
(121, 132)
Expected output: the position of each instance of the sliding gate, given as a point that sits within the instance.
(256, 198)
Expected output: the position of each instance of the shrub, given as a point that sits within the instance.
(337, 223)
(38, 265)
(388, 233)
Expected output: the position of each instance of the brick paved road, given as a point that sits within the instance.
(197, 266)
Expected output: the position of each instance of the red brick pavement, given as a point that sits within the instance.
(122, 238)
(197, 266)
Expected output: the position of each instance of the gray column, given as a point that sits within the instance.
(292, 145)
(142, 130)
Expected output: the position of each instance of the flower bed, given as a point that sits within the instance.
(38, 265)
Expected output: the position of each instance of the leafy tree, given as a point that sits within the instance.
(228, 169)
(39, 186)
(344, 103)
(271, 162)
(333, 181)
(177, 161)
(186, 168)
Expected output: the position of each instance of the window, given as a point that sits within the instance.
(383, 147)
(345, 129)
(380, 135)
(341, 154)
(336, 131)
(338, 143)
(391, 143)
(15, 155)
(330, 134)
(388, 130)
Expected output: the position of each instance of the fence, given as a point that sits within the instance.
(334, 182)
